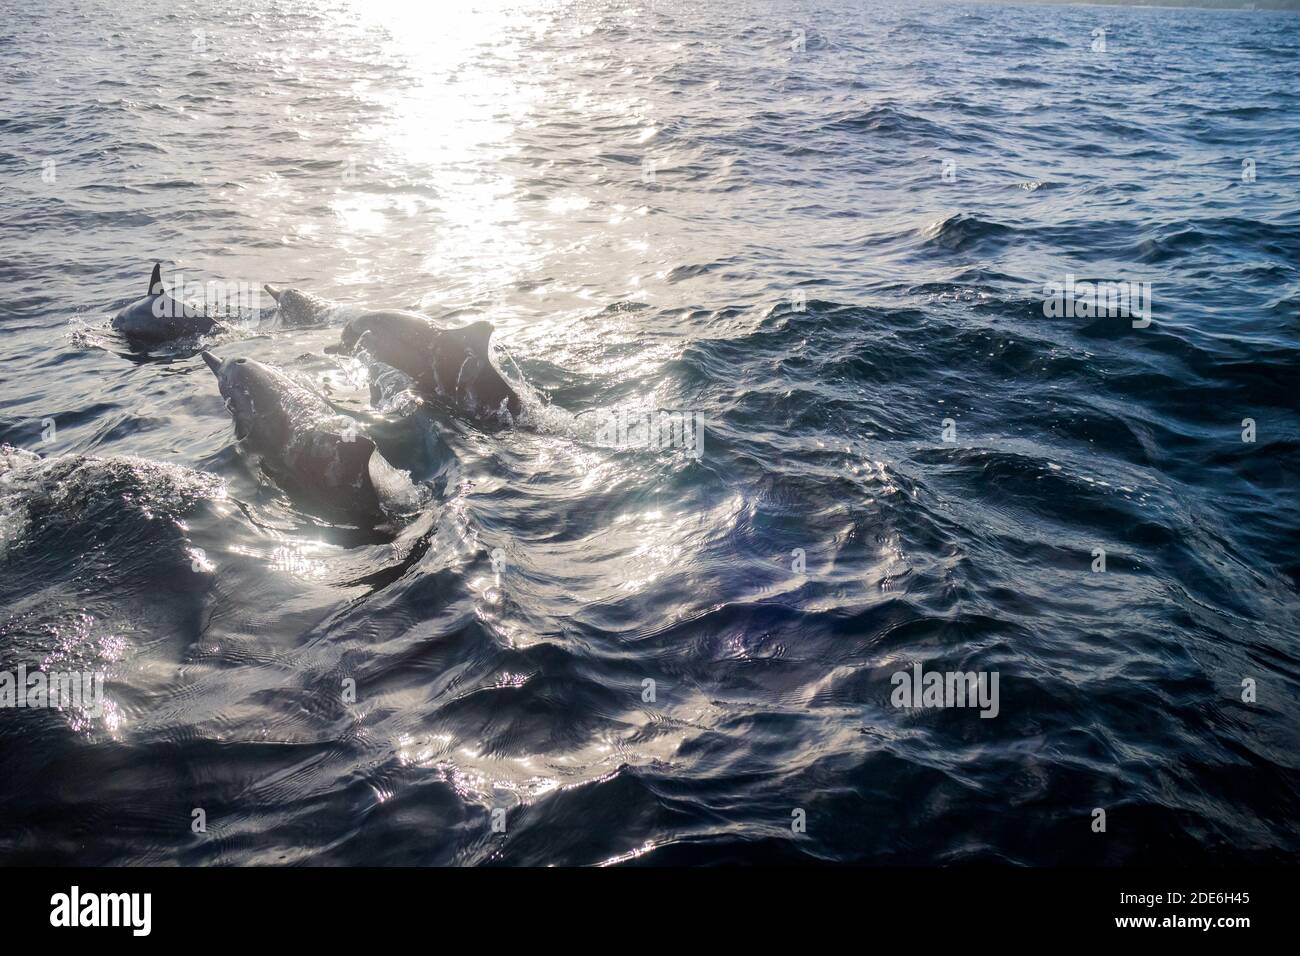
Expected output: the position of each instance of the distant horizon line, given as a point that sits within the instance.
(1284, 6)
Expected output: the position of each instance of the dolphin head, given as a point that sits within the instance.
(352, 334)
(297, 307)
(249, 389)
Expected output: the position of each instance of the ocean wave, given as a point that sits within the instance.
(830, 246)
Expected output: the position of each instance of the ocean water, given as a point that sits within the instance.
(824, 228)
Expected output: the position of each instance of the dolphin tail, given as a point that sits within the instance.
(155, 280)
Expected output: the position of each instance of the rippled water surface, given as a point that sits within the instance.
(737, 209)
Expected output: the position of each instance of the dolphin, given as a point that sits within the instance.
(452, 364)
(158, 317)
(306, 447)
(297, 307)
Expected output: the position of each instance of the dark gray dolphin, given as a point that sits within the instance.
(452, 364)
(311, 451)
(158, 317)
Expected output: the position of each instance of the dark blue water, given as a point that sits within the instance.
(826, 228)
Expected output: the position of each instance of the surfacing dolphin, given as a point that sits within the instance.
(451, 364)
(297, 307)
(312, 452)
(159, 317)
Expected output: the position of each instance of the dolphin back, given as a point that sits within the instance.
(452, 364)
(160, 318)
(346, 473)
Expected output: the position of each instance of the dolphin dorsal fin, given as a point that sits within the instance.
(476, 336)
(354, 455)
(155, 280)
